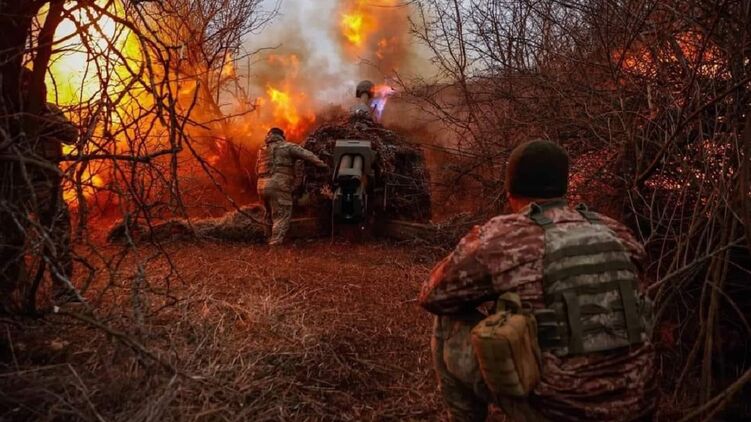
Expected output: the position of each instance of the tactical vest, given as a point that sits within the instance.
(274, 158)
(590, 288)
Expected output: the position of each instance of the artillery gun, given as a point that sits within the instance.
(379, 181)
(353, 168)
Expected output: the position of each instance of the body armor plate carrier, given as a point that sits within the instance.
(273, 159)
(590, 288)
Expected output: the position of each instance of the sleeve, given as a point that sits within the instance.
(303, 154)
(59, 127)
(460, 281)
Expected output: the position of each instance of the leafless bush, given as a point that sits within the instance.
(651, 99)
(154, 73)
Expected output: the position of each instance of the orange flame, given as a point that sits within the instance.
(286, 113)
(356, 27)
(291, 110)
(643, 61)
(361, 25)
(375, 30)
(72, 84)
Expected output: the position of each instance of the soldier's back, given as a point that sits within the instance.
(612, 385)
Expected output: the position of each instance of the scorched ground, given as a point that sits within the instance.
(314, 331)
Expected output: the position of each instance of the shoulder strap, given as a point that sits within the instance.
(588, 215)
(537, 212)
(510, 301)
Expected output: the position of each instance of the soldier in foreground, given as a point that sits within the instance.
(276, 177)
(41, 194)
(581, 267)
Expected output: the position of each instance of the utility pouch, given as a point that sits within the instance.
(507, 350)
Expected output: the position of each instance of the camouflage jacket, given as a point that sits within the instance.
(506, 254)
(55, 131)
(277, 158)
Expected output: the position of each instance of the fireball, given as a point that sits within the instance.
(82, 55)
(352, 28)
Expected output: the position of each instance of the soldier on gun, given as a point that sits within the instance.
(580, 273)
(276, 177)
(365, 92)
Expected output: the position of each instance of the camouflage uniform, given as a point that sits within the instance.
(276, 180)
(44, 197)
(507, 254)
(53, 210)
(364, 93)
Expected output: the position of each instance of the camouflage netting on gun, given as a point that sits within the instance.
(402, 182)
(243, 225)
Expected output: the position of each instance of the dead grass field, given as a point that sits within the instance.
(313, 331)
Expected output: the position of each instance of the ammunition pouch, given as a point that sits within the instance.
(505, 344)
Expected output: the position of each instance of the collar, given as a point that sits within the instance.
(544, 205)
(273, 138)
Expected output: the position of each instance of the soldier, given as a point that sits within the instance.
(598, 364)
(365, 92)
(276, 176)
(53, 210)
(42, 195)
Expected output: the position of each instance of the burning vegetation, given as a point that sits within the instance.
(171, 101)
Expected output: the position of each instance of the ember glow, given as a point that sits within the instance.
(643, 61)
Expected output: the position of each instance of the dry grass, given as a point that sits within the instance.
(311, 332)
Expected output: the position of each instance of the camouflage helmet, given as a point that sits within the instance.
(276, 131)
(365, 87)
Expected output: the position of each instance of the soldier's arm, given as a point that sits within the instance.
(59, 127)
(460, 281)
(303, 154)
(493, 259)
(634, 247)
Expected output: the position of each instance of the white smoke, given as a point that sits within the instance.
(308, 29)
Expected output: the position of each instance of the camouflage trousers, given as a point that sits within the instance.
(277, 200)
(53, 219)
(462, 387)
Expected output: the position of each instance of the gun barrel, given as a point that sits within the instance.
(357, 163)
(345, 163)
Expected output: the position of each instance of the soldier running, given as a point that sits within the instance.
(276, 177)
(581, 267)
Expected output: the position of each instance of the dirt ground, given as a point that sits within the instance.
(312, 331)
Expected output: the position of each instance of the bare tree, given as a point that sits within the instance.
(651, 99)
(158, 72)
